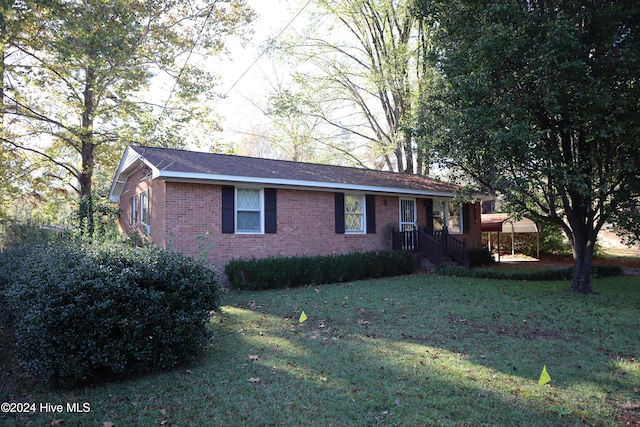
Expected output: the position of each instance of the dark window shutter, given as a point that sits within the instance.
(466, 216)
(228, 209)
(270, 219)
(428, 205)
(371, 213)
(340, 227)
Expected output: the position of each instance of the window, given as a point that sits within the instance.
(449, 214)
(249, 204)
(134, 210)
(455, 217)
(249, 210)
(354, 213)
(144, 206)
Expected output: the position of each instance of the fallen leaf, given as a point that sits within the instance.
(254, 357)
(108, 424)
(163, 412)
(189, 371)
(56, 422)
(254, 380)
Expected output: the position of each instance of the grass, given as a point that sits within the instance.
(416, 350)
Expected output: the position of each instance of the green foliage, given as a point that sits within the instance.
(96, 217)
(81, 312)
(81, 78)
(479, 257)
(539, 103)
(16, 233)
(532, 275)
(284, 272)
(553, 241)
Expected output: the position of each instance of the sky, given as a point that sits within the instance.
(245, 74)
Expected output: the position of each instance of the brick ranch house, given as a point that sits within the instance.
(254, 207)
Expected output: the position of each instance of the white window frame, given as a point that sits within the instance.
(260, 211)
(135, 209)
(363, 214)
(444, 205)
(145, 215)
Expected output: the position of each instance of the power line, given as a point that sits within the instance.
(186, 61)
(262, 53)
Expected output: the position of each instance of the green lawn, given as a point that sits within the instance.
(409, 351)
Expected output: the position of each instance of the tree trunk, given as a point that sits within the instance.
(408, 152)
(88, 153)
(583, 247)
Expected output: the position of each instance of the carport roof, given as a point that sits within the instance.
(502, 222)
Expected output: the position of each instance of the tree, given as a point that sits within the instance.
(365, 74)
(79, 75)
(12, 166)
(541, 102)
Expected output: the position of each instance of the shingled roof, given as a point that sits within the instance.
(181, 165)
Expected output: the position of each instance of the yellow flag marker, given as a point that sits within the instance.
(544, 376)
(303, 317)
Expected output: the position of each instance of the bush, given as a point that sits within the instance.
(284, 272)
(17, 233)
(479, 257)
(83, 311)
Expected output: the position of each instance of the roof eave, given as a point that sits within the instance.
(129, 163)
(280, 182)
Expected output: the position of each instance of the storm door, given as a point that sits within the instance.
(407, 214)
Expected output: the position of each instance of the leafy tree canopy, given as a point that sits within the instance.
(540, 101)
(76, 77)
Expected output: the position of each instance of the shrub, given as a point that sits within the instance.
(479, 257)
(17, 233)
(284, 272)
(83, 311)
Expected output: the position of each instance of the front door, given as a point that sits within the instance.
(407, 214)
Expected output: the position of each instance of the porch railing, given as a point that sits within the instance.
(434, 247)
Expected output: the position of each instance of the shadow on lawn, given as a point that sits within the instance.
(336, 375)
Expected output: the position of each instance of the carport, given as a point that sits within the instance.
(503, 223)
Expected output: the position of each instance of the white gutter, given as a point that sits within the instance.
(297, 184)
(131, 160)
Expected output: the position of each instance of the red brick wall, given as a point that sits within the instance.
(305, 225)
(473, 236)
(183, 213)
(137, 183)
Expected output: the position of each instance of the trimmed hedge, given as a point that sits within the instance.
(82, 312)
(551, 274)
(285, 272)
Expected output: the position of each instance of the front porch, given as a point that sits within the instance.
(436, 247)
